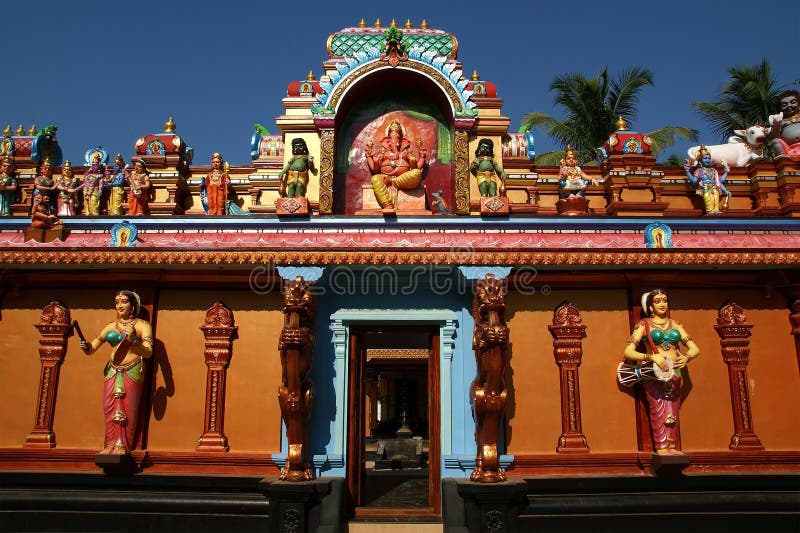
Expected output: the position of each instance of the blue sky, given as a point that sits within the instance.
(108, 72)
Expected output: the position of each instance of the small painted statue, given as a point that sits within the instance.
(294, 176)
(68, 186)
(131, 341)
(93, 181)
(42, 216)
(661, 337)
(8, 185)
(398, 164)
(573, 181)
(710, 185)
(116, 182)
(490, 175)
(786, 126)
(139, 182)
(45, 185)
(215, 185)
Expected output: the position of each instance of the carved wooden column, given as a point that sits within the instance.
(488, 397)
(55, 328)
(567, 330)
(296, 393)
(219, 332)
(734, 337)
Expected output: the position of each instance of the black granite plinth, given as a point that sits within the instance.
(298, 507)
(468, 506)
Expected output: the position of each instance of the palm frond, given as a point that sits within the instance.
(549, 159)
(665, 137)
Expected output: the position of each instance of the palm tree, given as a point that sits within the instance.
(747, 98)
(593, 105)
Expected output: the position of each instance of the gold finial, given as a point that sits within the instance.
(20, 130)
(378, 23)
(32, 131)
(310, 76)
(362, 24)
(169, 126)
(475, 76)
(394, 23)
(408, 24)
(226, 167)
(7, 132)
(621, 124)
(424, 24)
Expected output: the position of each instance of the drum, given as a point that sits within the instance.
(629, 374)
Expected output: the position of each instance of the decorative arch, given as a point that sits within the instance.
(433, 75)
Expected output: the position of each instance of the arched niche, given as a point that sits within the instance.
(363, 113)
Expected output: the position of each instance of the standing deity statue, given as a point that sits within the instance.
(294, 176)
(661, 365)
(68, 185)
(139, 182)
(44, 183)
(487, 171)
(398, 164)
(93, 181)
(215, 187)
(116, 197)
(8, 185)
(708, 181)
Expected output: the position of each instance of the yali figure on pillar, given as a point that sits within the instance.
(131, 341)
(398, 164)
(8, 185)
(660, 367)
(215, 187)
(490, 175)
(573, 181)
(710, 185)
(139, 182)
(294, 176)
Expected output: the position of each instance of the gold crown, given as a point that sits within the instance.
(701, 152)
(395, 126)
(216, 155)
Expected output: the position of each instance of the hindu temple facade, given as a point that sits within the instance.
(363, 332)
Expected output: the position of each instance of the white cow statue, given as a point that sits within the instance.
(746, 146)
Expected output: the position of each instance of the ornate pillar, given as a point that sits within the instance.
(461, 163)
(219, 332)
(567, 330)
(55, 328)
(488, 398)
(296, 345)
(793, 296)
(734, 338)
(326, 165)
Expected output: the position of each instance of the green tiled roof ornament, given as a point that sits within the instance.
(392, 49)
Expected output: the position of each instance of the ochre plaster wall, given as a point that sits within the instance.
(252, 416)
(608, 415)
(773, 379)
